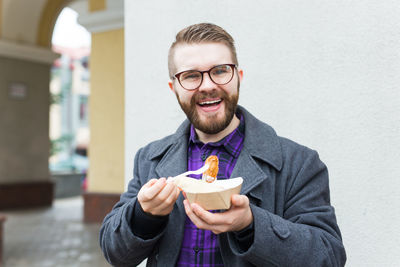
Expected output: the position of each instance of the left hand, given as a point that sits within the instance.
(238, 217)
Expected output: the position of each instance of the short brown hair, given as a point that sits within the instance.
(201, 33)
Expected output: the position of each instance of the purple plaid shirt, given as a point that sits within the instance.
(201, 247)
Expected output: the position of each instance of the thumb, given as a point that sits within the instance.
(150, 183)
(239, 200)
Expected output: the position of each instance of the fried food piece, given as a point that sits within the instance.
(210, 175)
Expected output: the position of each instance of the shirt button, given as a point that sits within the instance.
(196, 249)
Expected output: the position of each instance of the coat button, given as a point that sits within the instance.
(281, 230)
(204, 156)
(156, 257)
(196, 249)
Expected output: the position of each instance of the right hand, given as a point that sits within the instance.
(157, 196)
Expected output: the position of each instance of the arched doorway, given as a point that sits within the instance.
(25, 60)
(69, 116)
(26, 28)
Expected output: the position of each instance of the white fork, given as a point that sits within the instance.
(198, 171)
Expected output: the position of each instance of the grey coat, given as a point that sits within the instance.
(288, 188)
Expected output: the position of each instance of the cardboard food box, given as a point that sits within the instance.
(210, 196)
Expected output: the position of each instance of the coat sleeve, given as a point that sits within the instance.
(120, 246)
(307, 234)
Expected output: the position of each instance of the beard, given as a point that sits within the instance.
(211, 124)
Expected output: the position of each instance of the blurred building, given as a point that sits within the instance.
(31, 86)
(69, 113)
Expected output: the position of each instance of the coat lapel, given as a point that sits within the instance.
(261, 145)
(247, 168)
(174, 161)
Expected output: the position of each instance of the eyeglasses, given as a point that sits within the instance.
(192, 79)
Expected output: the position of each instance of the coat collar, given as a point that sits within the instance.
(260, 141)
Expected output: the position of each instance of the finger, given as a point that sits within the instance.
(174, 195)
(196, 220)
(153, 190)
(157, 203)
(169, 188)
(165, 207)
(169, 199)
(150, 183)
(188, 209)
(208, 217)
(144, 189)
(240, 200)
(158, 206)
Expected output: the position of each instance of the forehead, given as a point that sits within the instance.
(201, 56)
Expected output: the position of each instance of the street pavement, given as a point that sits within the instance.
(54, 236)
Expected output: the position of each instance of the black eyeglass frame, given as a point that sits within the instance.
(233, 67)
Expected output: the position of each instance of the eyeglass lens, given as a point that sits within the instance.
(192, 79)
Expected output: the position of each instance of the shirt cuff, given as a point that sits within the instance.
(245, 237)
(147, 226)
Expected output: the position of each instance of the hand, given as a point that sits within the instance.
(157, 196)
(238, 217)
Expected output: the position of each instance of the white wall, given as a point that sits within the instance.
(323, 73)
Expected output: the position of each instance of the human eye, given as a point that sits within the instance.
(220, 70)
(190, 75)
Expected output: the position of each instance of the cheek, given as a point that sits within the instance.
(231, 90)
(232, 87)
(184, 96)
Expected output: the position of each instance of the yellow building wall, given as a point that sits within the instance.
(106, 150)
(48, 18)
(1, 17)
(96, 5)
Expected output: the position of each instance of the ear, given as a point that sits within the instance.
(240, 72)
(171, 86)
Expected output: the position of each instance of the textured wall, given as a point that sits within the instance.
(24, 123)
(323, 73)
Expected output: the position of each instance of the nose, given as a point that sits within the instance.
(207, 83)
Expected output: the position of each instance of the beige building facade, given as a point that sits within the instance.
(26, 57)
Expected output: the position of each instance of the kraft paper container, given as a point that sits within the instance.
(210, 196)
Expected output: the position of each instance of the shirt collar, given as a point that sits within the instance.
(235, 137)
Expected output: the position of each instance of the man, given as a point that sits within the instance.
(283, 215)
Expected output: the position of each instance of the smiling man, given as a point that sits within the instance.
(209, 98)
(282, 217)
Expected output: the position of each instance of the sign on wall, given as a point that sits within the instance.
(17, 90)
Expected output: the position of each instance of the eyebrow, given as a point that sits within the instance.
(193, 69)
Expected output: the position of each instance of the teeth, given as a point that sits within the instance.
(210, 102)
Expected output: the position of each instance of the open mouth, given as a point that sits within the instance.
(210, 103)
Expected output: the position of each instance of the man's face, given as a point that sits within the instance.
(211, 107)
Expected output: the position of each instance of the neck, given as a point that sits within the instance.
(209, 138)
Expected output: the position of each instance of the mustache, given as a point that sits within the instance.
(198, 96)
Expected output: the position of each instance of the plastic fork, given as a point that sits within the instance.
(198, 171)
